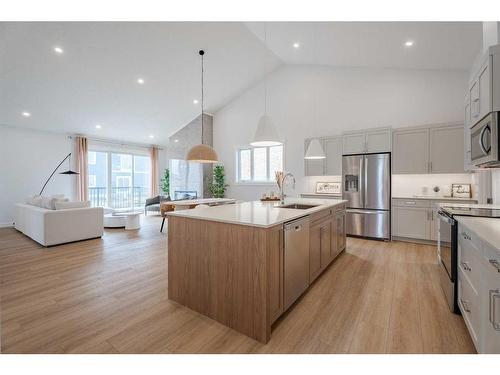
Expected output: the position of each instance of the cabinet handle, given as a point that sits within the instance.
(465, 305)
(465, 266)
(430, 164)
(494, 293)
(495, 264)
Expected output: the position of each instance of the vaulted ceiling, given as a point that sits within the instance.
(94, 81)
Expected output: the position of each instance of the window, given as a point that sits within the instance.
(258, 164)
(118, 180)
(92, 158)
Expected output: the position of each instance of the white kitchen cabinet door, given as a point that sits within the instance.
(313, 167)
(411, 222)
(484, 80)
(333, 152)
(467, 145)
(490, 302)
(378, 141)
(447, 149)
(410, 151)
(474, 101)
(354, 143)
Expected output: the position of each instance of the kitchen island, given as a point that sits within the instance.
(245, 264)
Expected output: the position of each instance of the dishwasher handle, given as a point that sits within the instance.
(297, 225)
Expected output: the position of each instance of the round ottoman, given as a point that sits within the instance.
(114, 221)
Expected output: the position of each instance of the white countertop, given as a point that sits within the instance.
(190, 202)
(470, 205)
(257, 213)
(488, 229)
(435, 198)
(323, 194)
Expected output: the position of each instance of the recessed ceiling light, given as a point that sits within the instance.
(176, 140)
(151, 136)
(26, 114)
(58, 50)
(140, 81)
(195, 101)
(409, 43)
(98, 126)
(296, 45)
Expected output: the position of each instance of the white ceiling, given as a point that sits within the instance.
(94, 80)
(437, 45)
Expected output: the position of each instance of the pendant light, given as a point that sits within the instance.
(315, 150)
(202, 153)
(266, 133)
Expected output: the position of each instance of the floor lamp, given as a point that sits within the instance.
(68, 172)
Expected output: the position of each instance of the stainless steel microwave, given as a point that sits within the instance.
(484, 142)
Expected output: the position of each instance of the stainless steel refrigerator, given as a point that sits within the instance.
(367, 188)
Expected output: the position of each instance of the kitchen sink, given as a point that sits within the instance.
(298, 206)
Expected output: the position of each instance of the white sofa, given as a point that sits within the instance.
(53, 227)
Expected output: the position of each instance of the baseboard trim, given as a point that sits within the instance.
(6, 225)
(414, 240)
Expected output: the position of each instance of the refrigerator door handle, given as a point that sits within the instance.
(365, 182)
(362, 182)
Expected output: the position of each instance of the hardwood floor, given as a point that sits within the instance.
(109, 295)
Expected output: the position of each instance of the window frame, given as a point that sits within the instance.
(271, 180)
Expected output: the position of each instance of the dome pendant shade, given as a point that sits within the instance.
(202, 154)
(266, 133)
(315, 150)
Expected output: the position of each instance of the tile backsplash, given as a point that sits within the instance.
(408, 185)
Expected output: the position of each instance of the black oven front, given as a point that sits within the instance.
(448, 254)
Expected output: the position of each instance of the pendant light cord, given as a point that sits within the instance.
(202, 92)
(265, 83)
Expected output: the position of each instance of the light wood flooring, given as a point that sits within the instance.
(109, 295)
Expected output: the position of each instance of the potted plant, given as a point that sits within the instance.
(165, 182)
(218, 187)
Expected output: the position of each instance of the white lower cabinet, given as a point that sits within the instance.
(479, 290)
(490, 302)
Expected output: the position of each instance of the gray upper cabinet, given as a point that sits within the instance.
(447, 149)
(480, 91)
(428, 150)
(333, 151)
(410, 151)
(378, 141)
(313, 167)
(353, 143)
(467, 145)
(370, 141)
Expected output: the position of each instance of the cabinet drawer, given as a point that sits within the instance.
(400, 202)
(468, 302)
(320, 215)
(491, 260)
(468, 237)
(469, 262)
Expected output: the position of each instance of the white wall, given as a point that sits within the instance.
(408, 185)
(27, 158)
(347, 99)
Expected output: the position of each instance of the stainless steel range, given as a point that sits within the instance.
(367, 188)
(448, 246)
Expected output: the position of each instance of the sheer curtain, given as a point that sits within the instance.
(154, 172)
(82, 168)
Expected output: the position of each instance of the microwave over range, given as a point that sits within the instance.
(484, 142)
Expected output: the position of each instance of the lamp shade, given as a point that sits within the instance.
(202, 154)
(315, 150)
(266, 133)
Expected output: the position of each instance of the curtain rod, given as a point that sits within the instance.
(119, 143)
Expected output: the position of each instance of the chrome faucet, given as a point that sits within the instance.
(282, 187)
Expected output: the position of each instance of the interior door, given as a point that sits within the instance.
(353, 184)
(377, 189)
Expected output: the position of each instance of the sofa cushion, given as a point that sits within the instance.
(60, 205)
(49, 202)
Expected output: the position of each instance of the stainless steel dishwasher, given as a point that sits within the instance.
(296, 259)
